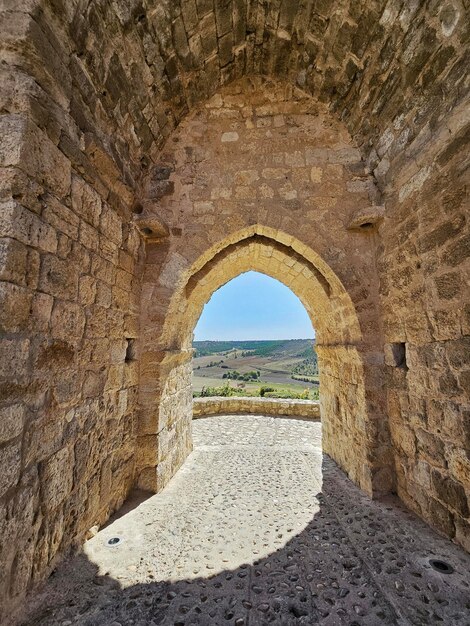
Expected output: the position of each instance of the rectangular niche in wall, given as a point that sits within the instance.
(398, 354)
(131, 351)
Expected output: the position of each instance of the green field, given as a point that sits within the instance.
(246, 367)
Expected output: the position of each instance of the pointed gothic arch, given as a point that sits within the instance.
(350, 363)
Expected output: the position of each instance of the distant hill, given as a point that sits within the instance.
(286, 368)
(301, 348)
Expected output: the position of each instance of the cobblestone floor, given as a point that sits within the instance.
(247, 533)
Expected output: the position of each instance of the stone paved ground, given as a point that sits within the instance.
(247, 534)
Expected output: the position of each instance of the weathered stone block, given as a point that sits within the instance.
(94, 383)
(13, 261)
(450, 492)
(41, 310)
(230, 137)
(67, 321)
(27, 147)
(458, 352)
(22, 567)
(58, 277)
(19, 223)
(448, 285)
(462, 533)
(57, 478)
(405, 439)
(15, 307)
(208, 35)
(225, 49)
(86, 202)
(87, 291)
(111, 225)
(11, 422)
(431, 447)
(60, 217)
(14, 357)
(10, 462)
(190, 16)
(459, 464)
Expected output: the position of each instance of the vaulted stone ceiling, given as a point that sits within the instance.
(362, 57)
(388, 68)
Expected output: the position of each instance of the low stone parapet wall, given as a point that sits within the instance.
(259, 406)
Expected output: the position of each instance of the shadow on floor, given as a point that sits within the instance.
(135, 499)
(358, 563)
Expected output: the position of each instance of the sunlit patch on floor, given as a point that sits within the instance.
(250, 485)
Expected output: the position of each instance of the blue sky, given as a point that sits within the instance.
(253, 306)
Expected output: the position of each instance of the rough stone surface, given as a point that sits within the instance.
(255, 406)
(259, 527)
(153, 150)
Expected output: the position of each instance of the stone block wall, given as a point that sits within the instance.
(69, 316)
(424, 268)
(164, 428)
(70, 270)
(353, 400)
(235, 405)
(263, 178)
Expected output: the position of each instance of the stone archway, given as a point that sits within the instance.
(91, 96)
(262, 177)
(351, 364)
(110, 107)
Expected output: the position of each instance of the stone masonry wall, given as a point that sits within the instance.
(424, 268)
(261, 177)
(164, 430)
(68, 374)
(257, 406)
(70, 265)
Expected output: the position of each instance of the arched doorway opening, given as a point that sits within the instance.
(350, 359)
(254, 339)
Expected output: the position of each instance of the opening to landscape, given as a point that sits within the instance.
(255, 339)
(350, 366)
